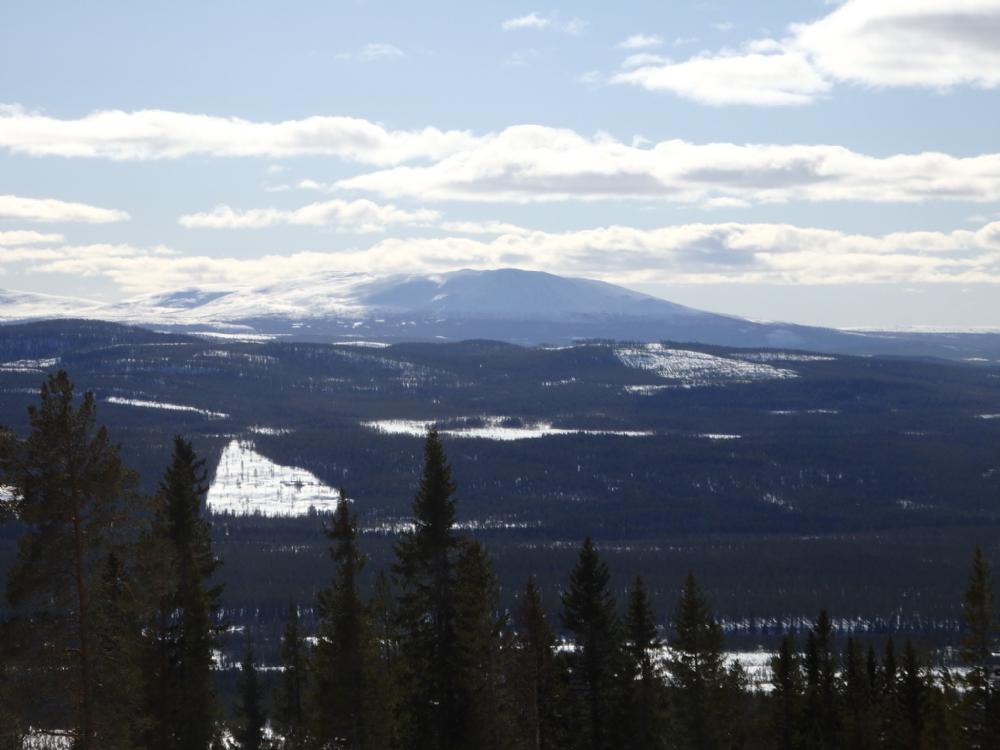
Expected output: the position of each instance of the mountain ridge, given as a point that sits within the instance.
(506, 304)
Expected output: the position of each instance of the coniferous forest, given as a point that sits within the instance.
(113, 636)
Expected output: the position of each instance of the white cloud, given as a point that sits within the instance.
(531, 163)
(641, 41)
(28, 237)
(773, 79)
(357, 215)
(50, 210)
(574, 26)
(374, 51)
(910, 43)
(160, 134)
(685, 254)
(530, 21)
(483, 227)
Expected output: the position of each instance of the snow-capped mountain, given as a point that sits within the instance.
(525, 307)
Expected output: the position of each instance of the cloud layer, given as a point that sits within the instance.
(530, 163)
(911, 43)
(50, 210)
(357, 215)
(161, 134)
(684, 254)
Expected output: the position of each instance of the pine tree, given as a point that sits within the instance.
(479, 651)
(697, 671)
(979, 642)
(536, 676)
(787, 696)
(289, 703)
(248, 733)
(424, 572)
(340, 661)
(644, 727)
(589, 613)
(76, 498)
(182, 634)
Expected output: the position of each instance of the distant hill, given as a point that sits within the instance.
(517, 306)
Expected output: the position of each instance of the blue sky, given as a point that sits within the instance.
(832, 163)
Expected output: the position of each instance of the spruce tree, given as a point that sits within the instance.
(589, 614)
(248, 732)
(858, 723)
(424, 573)
(786, 698)
(697, 671)
(821, 705)
(342, 652)
(982, 723)
(479, 651)
(644, 726)
(182, 634)
(289, 703)
(536, 676)
(77, 501)
(913, 690)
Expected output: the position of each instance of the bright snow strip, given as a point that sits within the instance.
(988, 416)
(164, 405)
(719, 436)
(784, 357)
(257, 429)
(491, 428)
(246, 482)
(28, 365)
(696, 368)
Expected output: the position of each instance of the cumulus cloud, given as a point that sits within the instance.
(690, 254)
(160, 134)
(534, 20)
(50, 210)
(483, 227)
(374, 51)
(531, 163)
(911, 43)
(357, 215)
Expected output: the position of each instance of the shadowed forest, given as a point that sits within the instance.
(114, 636)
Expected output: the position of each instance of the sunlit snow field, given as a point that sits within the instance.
(247, 482)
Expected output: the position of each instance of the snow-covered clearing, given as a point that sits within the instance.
(696, 368)
(487, 428)
(28, 365)
(142, 404)
(246, 482)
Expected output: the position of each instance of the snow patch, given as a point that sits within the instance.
(696, 368)
(487, 428)
(246, 482)
(165, 406)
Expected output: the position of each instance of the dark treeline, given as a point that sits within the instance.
(113, 626)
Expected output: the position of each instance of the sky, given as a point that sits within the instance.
(830, 163)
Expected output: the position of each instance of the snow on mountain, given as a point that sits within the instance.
(16, 306)
(246, 482)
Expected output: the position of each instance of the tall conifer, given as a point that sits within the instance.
(182, 634)
(589, 613)
(424, 572)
